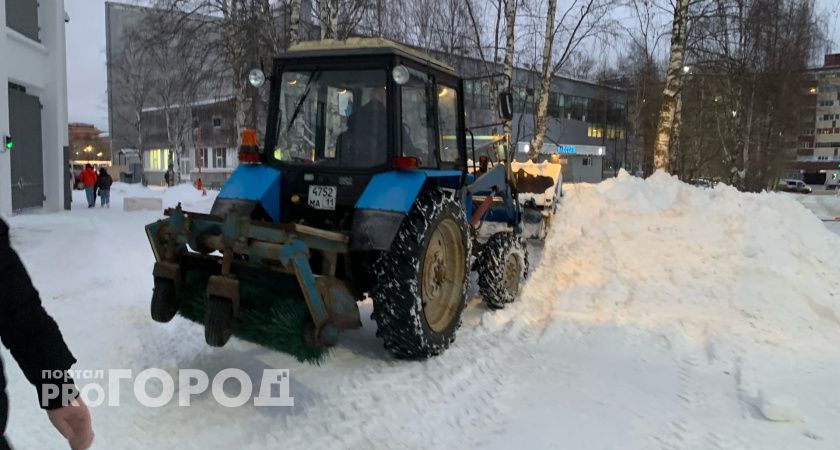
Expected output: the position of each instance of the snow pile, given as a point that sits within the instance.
(702, 318)
(694, 265)
(183, 193)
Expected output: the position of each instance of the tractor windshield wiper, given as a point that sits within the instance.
(314, 75)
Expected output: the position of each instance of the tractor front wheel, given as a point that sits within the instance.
(164, 300)
(421, 287)
(502, 268)
(218, 321)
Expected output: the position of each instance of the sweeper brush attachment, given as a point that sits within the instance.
(262, 287)
(270, 315)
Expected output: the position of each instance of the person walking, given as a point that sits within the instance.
(103, 186)
(88, 179)
(35, 342)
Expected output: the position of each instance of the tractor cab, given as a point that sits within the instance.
(342, 111)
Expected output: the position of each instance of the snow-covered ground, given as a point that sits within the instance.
(658, 315)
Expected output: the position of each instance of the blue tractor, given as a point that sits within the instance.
(363, 187)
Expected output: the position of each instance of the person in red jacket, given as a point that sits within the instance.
(88, 178)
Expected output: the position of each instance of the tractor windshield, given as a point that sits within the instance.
(332, 118)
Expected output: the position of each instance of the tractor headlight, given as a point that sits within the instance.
(256, 77)
(400, 74)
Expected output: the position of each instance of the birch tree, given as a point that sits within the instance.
(545, 83)
(670, 113)
(581, 21)
(510, 29)
(294, 22)
(328, 17)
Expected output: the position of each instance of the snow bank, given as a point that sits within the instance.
(694, 265)
(183, 193)
(720, 310)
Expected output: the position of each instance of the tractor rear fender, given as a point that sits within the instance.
(386, 201)
(250, 187)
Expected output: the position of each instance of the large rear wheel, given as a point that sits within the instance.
(421, 287)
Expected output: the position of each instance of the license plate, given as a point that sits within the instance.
(322, 197)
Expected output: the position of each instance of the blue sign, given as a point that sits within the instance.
(566, 149)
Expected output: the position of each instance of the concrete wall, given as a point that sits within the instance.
(40, 67)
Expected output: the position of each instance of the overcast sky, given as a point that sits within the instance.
(86, 79)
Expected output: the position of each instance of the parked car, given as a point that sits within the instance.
(703, 182)
(797, 186)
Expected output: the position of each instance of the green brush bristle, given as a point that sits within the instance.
(271, 314)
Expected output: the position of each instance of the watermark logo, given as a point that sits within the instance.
(103, 387)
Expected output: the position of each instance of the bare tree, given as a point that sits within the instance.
(328, 17)
(294, 22)
(545, 82)
(669, 116)
(133, 77)
(581, 21)
(510, 28)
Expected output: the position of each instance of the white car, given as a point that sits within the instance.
(798, 186)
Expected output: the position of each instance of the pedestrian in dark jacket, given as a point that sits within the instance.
(36, 343)
(88, 179)
(103, 185)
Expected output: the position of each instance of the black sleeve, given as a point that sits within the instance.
(30, 334)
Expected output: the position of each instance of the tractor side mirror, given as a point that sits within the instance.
(506, 106)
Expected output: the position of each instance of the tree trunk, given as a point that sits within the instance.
(545, 84)
(510, 18)
(328, 15)
(745, 172)
(294, 23)
(673, 86)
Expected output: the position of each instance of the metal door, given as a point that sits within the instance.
(27, 154)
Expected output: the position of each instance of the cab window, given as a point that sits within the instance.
(417, 129)
(448, 123)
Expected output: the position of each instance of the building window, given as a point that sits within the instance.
(217, 122)
(586, 161)
(595, 132)
(201, 158)
(555, 104)
(22, 16)
(614, 133)
(158, 159)
(219, 159)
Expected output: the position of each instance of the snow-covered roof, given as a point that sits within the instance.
(357, 43)
(205, 102)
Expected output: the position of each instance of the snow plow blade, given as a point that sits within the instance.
(201, 259)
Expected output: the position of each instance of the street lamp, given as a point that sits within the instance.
(686, 70)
